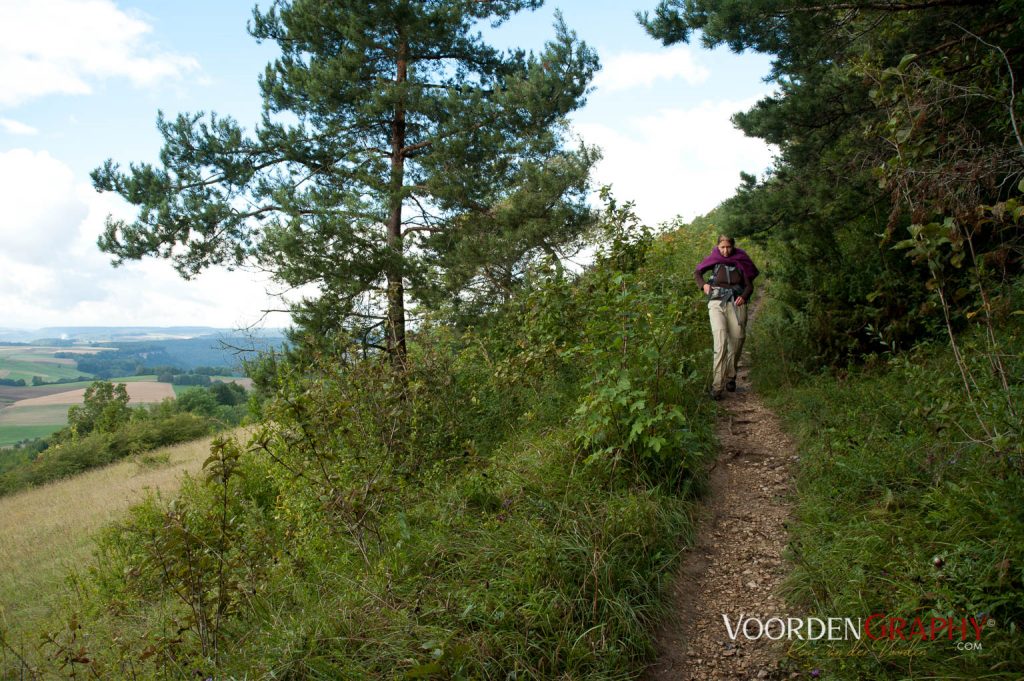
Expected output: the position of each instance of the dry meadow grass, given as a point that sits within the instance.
(46, 531)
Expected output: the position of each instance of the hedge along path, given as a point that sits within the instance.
(736, 566)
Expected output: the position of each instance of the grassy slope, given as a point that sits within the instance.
(528, 560)
(903, 509)
(58, 519)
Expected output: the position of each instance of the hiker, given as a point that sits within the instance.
(728, 292)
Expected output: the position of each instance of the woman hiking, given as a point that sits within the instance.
(728, 292)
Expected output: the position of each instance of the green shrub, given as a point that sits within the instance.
(489, 511)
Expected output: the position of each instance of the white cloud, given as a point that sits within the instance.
(677, 161)
(39, 211)
(16, 127)
(628, 70)
(60, 46)
(52, 274)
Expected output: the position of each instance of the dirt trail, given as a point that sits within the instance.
(736, 565)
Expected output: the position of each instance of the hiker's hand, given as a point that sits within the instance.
(739, 302)
(707, 289)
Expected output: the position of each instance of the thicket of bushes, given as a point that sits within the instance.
(105, 429)
(507, 507)
(100, 449)
(910, 492)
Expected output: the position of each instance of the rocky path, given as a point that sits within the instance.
(736, 565)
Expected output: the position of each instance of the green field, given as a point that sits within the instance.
(34, 416)
(16, 368)
(26, 423)
(25, 362)
(10, 435)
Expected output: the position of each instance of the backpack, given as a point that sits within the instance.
(726, 293)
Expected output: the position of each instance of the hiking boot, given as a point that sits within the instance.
(715, 395)
(731, 385)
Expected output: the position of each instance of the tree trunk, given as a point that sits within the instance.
(396, 290)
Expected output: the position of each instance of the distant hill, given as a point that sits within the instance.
(215, 350)
(106, 334)
(133, 350)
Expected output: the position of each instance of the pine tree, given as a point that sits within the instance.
(396, 150)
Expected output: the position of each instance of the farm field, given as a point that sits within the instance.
(140, 392)
(15, 368)
(26, 361)
(27, 423)
(58, 520)
(37, 411)
(15, 433)
(11, 394)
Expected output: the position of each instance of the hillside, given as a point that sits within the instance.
(481, 518)
(45, 532)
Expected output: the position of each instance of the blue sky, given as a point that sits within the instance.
(81, 81)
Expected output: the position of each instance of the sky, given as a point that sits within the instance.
(81, 81)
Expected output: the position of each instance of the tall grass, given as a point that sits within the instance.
(46, 532)
(905, 506)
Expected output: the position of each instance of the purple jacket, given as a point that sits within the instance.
(746, 271)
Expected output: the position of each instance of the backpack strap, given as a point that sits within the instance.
(729, 270)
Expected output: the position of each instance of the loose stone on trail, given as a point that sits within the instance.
(736, 565)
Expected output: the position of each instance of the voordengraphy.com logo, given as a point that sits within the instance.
(877, 627)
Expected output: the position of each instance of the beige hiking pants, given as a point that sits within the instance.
(728, 328)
